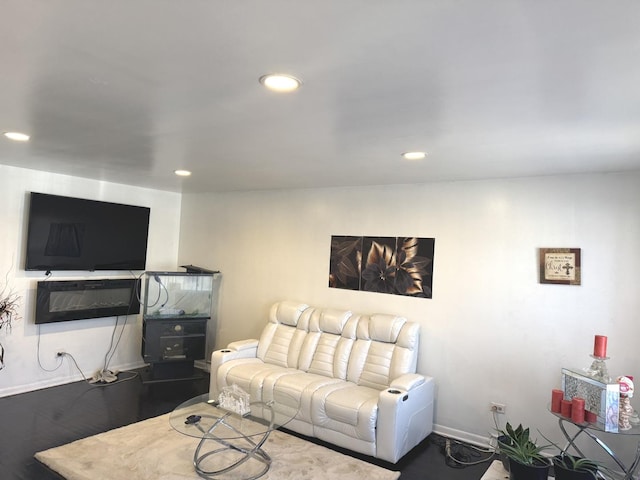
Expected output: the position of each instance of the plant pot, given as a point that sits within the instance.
(519, 471)
(501, 455)
(563, 473)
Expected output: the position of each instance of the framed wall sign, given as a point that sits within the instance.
(560, 266)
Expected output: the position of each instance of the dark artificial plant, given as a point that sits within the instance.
(8, 313)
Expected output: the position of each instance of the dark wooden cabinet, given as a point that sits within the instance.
(171, 346)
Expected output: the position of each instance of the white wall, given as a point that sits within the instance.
(87, 340)
(491, 332)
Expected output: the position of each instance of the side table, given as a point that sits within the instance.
(593, 430)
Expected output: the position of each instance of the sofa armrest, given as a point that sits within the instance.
(407, 382)
(241, 345)
(239, 349)
(235, 350)
(405, 416)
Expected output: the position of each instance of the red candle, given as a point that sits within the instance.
(556, 398)
(590, 417)
(600, 346)
(577, 410)
(565, 408)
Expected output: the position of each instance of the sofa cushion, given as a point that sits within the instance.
(382, 328)
(249, 374)
(280, 345)
(322, 362)
(327, 346)
(293, 393)
(375, 371)
(328, 320)
(385, 349)
(282, 338)
(347, 408)
(287, 312)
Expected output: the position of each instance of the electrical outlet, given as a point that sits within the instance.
(498, 407)
(60, 352)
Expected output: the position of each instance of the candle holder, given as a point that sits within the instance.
(598, 369)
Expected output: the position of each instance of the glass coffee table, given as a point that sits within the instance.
(228, 440)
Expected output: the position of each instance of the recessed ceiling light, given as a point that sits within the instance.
(280, 82)
(414, 155)
(182, 173)
(17, 136)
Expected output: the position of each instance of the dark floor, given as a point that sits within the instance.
(54, 416)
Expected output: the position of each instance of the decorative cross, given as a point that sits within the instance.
(568, 267)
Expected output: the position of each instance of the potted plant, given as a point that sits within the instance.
(526, 461)
(570, 467)
(8, 313)
(501, 455)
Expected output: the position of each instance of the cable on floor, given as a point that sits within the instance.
(458, 454)
(98, 383)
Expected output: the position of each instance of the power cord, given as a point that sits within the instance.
(59, 357)
(95, 381)
(138, 290)
(102, 377)
(161, 288)
(495, 420)
(112, 349)
(460, 455)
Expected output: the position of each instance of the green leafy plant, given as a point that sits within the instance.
(576, 464)
(572, 462)
(517, 445)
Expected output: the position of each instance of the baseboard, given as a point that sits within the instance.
(54, 382)
(461, 435)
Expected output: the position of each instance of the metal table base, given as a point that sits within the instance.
(254, 452)
(627, 472)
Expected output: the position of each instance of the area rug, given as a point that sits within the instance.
(152, 450)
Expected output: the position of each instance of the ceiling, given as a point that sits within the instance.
(128, 91)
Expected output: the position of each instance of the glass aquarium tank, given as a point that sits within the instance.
(177, 294)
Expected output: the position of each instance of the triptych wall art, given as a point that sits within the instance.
(394, 265)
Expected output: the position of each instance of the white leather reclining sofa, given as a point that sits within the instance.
(350, 379)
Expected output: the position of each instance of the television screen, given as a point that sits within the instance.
(68, 233)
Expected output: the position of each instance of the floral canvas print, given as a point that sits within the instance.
(345, 261)
(394, 265)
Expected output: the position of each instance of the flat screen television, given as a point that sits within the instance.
(67, 233)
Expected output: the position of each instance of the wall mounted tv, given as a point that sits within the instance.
(68, 233)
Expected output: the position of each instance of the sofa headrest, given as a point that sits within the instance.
(287, 312)
(381, 328)
(330, 321)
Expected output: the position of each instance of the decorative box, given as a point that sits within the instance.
(600, 398)
(235, 399)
